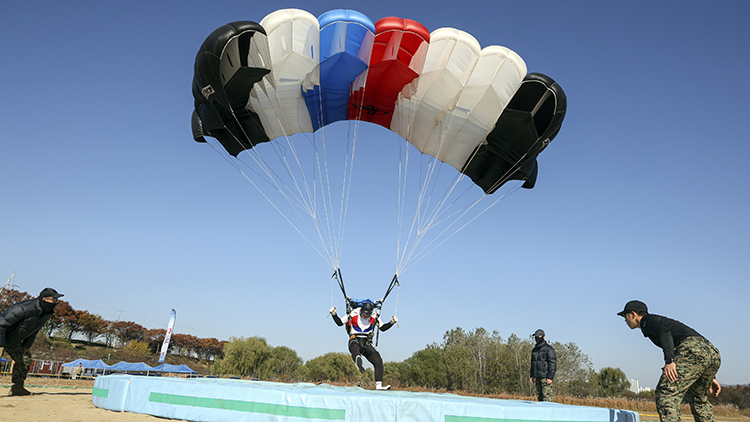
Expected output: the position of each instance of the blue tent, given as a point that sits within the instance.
(128, 366)
(181, 369)
(90, 367)
(85, 363)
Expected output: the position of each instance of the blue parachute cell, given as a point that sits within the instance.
(346, 38)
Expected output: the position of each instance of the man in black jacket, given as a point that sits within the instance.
(543, 367)
(19, 326)
(690, 363)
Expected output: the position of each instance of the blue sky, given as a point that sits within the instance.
(643, 194)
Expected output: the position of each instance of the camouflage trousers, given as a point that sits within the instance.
(544, 392)
(697, 362)
(21, 363)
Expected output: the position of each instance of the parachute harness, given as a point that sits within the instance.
(353, 303)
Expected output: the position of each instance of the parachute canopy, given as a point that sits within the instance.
(473, 108)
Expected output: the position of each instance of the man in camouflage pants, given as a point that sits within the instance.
(690, 363)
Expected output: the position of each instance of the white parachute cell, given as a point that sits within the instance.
(293, 38)
(424, 103)
(493, 81)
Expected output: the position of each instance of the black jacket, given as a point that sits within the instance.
(666, 333)
(543, 361)
(20, 323)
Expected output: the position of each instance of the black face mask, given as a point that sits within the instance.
(539, 340)
(47, 307)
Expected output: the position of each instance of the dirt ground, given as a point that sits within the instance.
(59, 400)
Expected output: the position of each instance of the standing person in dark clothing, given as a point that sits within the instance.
(360, 324)
(543, 367)
(690, 363)
(19, 326)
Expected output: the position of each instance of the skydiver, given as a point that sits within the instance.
(360, 325)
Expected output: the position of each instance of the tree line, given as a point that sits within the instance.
(68, 322)
(476, 361)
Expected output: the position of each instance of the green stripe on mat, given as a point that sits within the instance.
(100, 392)
(248, 406)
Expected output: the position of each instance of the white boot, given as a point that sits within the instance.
(379, 386)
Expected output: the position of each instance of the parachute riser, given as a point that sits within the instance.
(394, 283)
(340, 280)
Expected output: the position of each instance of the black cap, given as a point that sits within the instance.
(539, 333)
(50, 292)
(633, 305)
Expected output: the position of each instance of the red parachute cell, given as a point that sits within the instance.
(398, 55)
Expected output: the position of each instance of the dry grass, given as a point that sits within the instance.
(646, 408)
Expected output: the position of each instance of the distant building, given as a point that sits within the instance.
(636, 388)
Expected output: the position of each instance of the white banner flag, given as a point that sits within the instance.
(167, 336)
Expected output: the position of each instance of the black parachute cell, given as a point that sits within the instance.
(222, 83)
(528, 124)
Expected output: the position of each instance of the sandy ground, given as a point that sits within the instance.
(59, 400)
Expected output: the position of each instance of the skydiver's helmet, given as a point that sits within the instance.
(366, 310)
